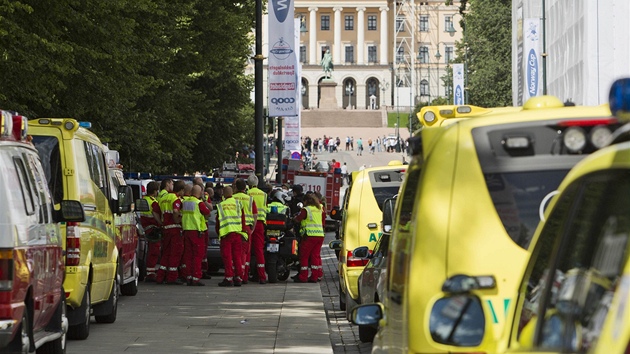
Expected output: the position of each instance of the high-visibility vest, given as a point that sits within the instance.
(150, 200)
(166, 204)
(161, 194)
(260, 198)
(229, 212)
(312, 225)
(192, 218)
(248, 204)
(282, 209)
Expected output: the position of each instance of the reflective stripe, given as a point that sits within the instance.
(229, 212)
(312, 225)
(248, 205)
(174, 226)
(260, 198)
(150, 200)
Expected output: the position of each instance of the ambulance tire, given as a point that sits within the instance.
(131, 288)
(59, 322)
(342, 299)
(109, 309)
(82, 330)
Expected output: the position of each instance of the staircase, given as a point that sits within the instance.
(344, 118)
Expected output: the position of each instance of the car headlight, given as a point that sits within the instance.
(574, 139)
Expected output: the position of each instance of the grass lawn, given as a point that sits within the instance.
(392, 118)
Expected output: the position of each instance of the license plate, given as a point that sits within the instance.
(273, 247)
(215, 242)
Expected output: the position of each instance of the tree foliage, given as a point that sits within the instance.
(162, 81)
(486, 48)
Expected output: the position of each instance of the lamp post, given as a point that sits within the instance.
(349, 92)
(397, 134)
(258, 98)
(438, 56)
(452, 31)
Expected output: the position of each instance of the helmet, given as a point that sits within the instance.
(280, 196)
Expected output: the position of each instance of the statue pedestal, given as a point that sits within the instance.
(327, 98)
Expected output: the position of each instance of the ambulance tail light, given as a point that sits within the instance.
(352, 261)
(6, 270)
(73, 244)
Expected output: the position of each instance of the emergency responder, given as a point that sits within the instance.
(182, 271)
(229, 226)
(258, 235)
(151, 221)
(311, 219)
(166, 186)
(278, 200)
(251, 214)
(194, 226)
(297, 197)
(172, 241)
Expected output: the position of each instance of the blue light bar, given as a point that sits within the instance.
(619, 99)
(86, 125)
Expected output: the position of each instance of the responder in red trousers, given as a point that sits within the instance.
(251, 214)
(258, 235)
(151, 221)
(229, 226)
(182, 271)
(194, 213)
(172, 241)
(312, 220)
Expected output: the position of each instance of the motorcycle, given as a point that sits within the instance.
(281, 248)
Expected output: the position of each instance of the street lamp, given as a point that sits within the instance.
(437, 57)
(396, 125)
(349, 92)
(451, 30)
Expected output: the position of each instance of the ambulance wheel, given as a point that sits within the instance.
(342, 300)
(109, 307)
(131, 288)
(82, 330)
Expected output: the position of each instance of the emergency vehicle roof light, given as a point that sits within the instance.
(69, 125)
(429, 117)
(20, 127)
(86, 125)
(600, 136)
(541, 102)
(574, 139)
(464, 109)
(449, 113)
(619, 99)
(6, 124)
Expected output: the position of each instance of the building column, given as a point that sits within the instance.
(337, 37)
(384, 47)
(312, 36)
(360, 35)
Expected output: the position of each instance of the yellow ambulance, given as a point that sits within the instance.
(76, 169)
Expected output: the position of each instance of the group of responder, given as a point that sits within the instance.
(176, 228)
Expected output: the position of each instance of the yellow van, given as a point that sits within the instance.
(584, 244)
(76, 169)
(465, 216)
(361, 216)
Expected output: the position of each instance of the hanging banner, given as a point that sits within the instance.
(458, 84)
(531, 53)
(292, 134)
(282, 63)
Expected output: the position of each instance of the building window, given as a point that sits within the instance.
(349, 54)
(302, 54)
(448, 51)
(303, 23)
(423, 55)
(372, 54)
(349, 22)
(424, 23)
(448, 24)
(424, 88)
(371, 22)
(400, 24)
(400, 55)
(325, 23)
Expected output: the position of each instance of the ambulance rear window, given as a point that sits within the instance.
(48, 149)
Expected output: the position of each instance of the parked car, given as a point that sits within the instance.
(467, 212)
(126, 231)
(32, 305)
(361, 216)
(373, 279)
(75, 168)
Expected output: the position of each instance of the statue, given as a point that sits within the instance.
(327, 64)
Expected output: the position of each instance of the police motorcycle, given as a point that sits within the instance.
(281, 246)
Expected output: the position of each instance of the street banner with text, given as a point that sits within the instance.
(458, 84)
(282, 63)
(292, 137)
(531, 53)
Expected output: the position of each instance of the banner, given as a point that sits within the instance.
(531, 53)
(458, 84)
(282, 65)
(292, 126)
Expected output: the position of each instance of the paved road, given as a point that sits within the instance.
(272, 318)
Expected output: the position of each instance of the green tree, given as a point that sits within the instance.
(489, 38)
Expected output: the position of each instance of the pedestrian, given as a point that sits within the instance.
(352, 143)
(230, 226)
(311, 219)
(172, 241)
(258, 235)
(378, 143)
(151, 222)
(344, 174)
(347, 143)
(359, 147)
(194, 213)
(251, 214)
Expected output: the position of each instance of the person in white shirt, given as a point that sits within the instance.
(344, 174)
